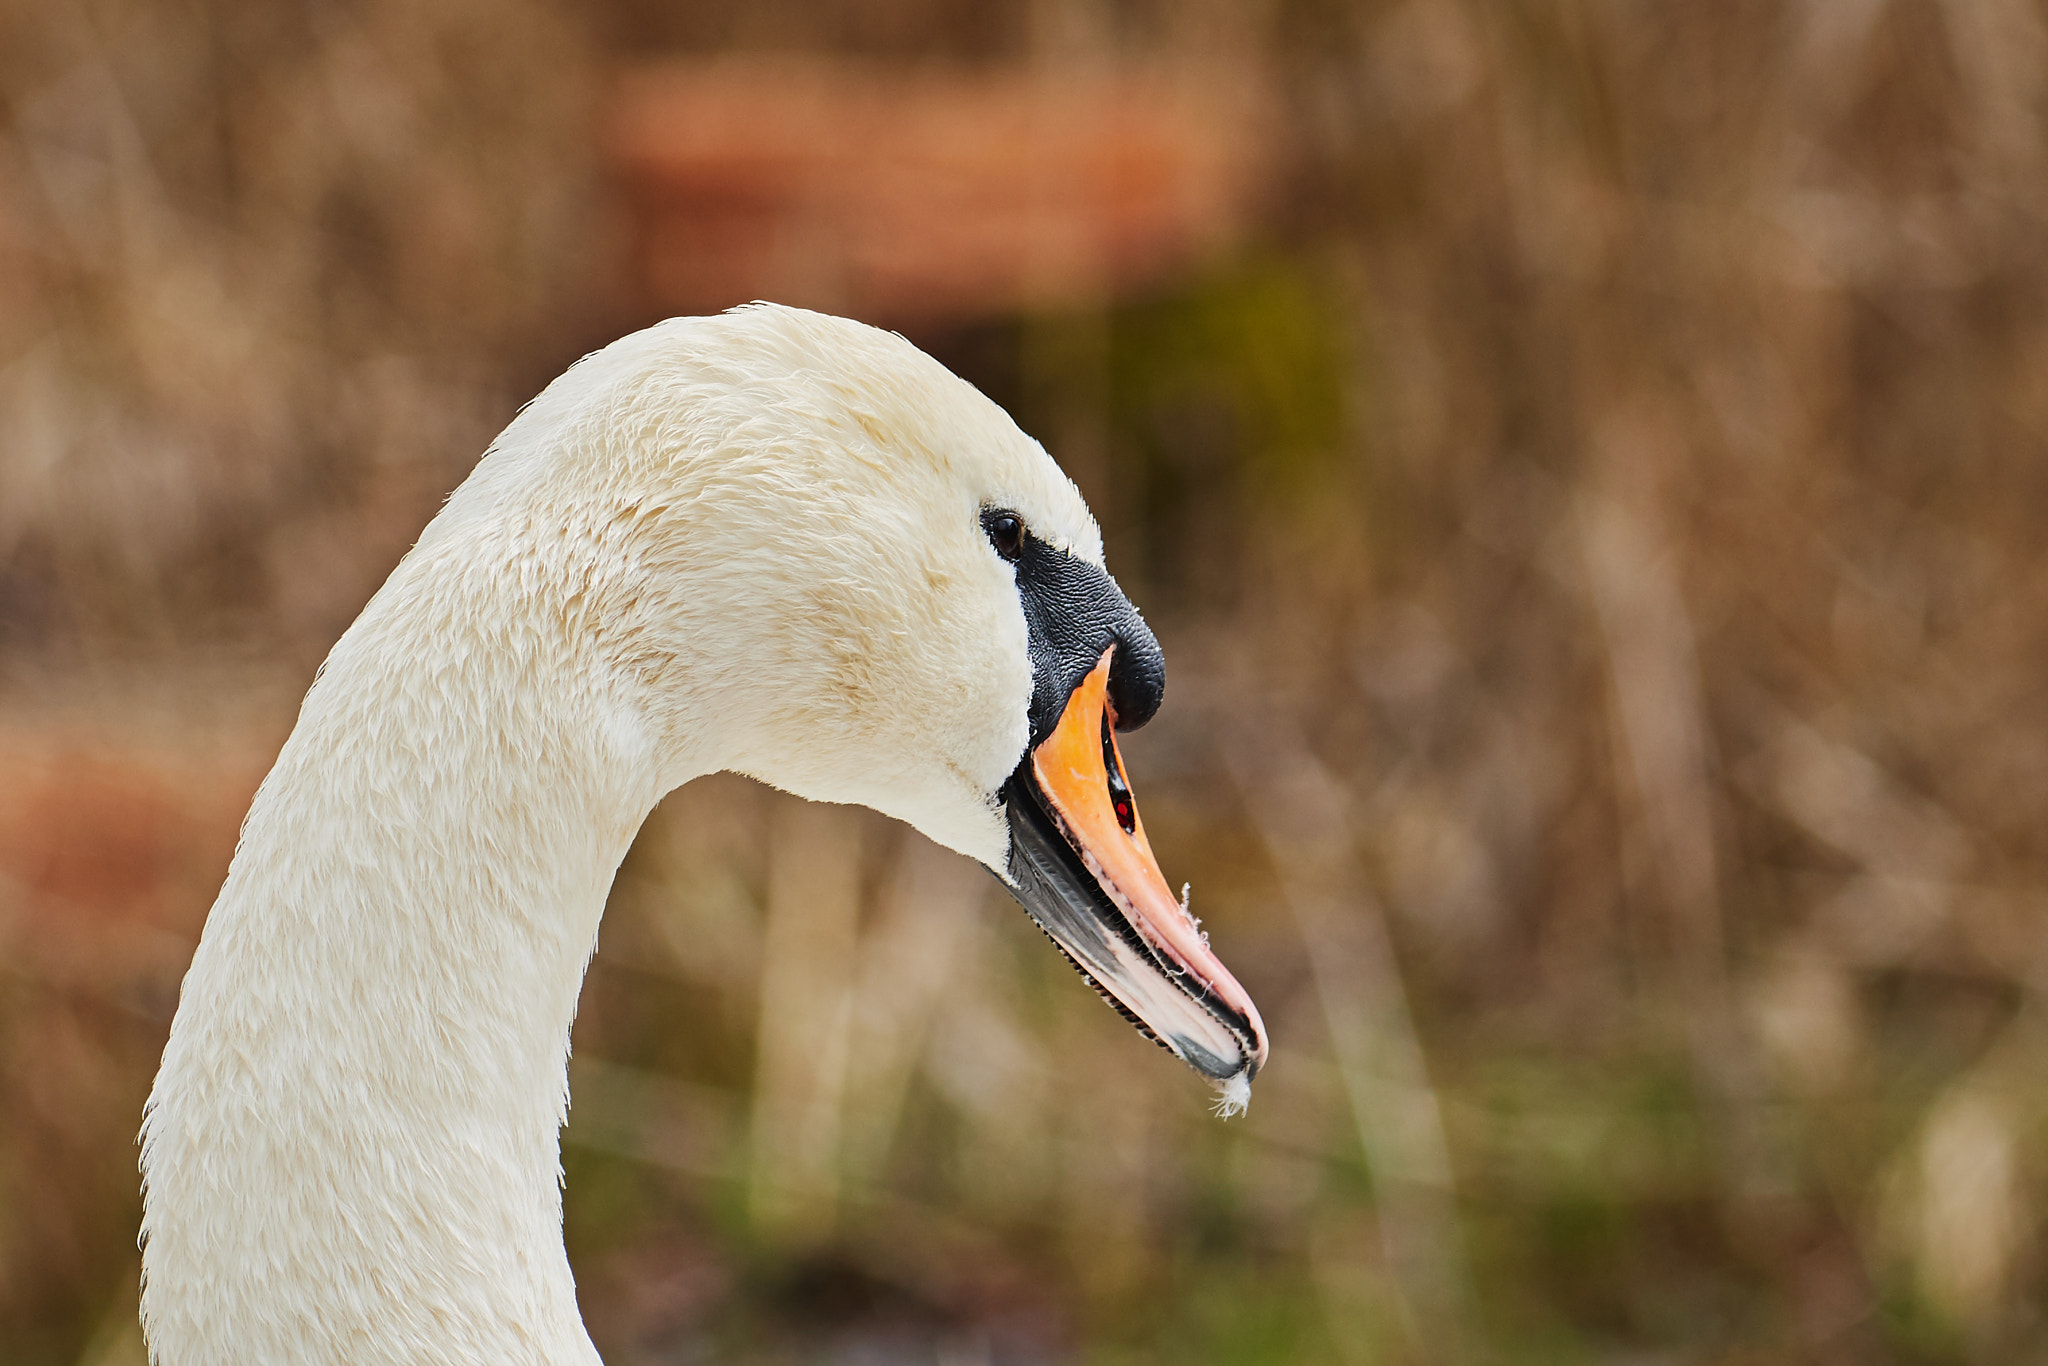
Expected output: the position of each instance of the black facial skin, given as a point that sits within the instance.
(1074, 611)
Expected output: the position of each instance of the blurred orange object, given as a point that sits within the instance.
(914, 195)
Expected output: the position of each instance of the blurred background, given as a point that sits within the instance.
(1584, 460)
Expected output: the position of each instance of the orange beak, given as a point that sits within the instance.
(1082, 866)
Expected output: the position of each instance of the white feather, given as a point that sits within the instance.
(1234, 1096)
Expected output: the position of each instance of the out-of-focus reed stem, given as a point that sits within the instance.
(1303, 814)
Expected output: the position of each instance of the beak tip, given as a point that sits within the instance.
(1253, 1046)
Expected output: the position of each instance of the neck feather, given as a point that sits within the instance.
(351, 1152)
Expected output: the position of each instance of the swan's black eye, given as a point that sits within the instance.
(1005, 533)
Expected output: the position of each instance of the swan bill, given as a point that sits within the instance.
(1081, 865)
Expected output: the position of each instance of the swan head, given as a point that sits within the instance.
(834, 566)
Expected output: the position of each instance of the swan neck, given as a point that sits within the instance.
(353, 1144)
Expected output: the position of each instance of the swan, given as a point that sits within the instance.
(767, 541)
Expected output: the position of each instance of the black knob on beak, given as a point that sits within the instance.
(1137, 673)
(1074, 611)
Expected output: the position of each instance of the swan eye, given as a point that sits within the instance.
(1005, 533)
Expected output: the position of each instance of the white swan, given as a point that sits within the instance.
(769, 541)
